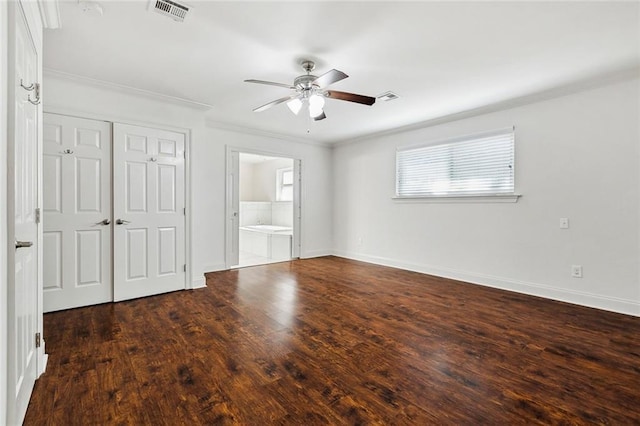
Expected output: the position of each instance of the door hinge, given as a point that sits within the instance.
(184, 211)
(38, 339)
(184, 267)
(38, 215)
(184, 154)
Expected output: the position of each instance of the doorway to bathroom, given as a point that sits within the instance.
(263, 206)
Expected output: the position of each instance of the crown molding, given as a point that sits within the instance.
(50, 13)
(49, 72)
(263, 133)
(577, 86)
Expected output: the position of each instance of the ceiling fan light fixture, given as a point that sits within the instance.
(316, 103)
(295, 105)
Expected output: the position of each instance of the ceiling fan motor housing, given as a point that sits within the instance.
(304, 83)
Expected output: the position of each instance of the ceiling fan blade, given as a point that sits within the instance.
(320, 117)
(276, 102)
(270, 83)
(351, 97)
(329, 77)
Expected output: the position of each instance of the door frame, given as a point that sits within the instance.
(296, 249)
(191, 281)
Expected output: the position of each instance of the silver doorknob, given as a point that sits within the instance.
(104, 222)
(122, 222)
(23, 244)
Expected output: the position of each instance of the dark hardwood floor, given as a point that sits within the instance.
(333, 341)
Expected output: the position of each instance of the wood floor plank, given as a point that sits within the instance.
(333, 341)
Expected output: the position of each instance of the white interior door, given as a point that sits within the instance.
(77, 212)
(232, 209)
(22, 226)
(148, 206)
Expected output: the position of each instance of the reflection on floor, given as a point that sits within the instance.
(250, 259)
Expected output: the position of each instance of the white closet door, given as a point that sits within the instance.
(149, 200)
(22, 225)
(77, 212)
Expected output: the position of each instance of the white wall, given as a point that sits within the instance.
(577, 156)
(207, 160)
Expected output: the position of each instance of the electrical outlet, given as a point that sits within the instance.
(564, 223)
(359, 241)
(576, 271)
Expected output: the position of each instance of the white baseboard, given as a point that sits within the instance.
(623, 306)
(43, 357)
(215, 267)
(315, 253)
(199, 282)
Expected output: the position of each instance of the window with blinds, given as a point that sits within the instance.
(481, 165)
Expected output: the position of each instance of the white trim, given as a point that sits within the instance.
(231, 206)
(298, 198)
(49, 72)
(215, 267)
(558, 91)
(264, 133)
(200, 282)
(316, 253)
(109, 118)
(50, 13)
(498, 198)
(613, 304)
(4, 243)
(189, 273)
(187, 132)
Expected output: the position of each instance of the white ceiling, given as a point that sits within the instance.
(441, 58)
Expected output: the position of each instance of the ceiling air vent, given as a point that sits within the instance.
(172, 9)
(388, 96)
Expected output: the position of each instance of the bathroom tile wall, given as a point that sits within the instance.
(282, 213)
(255, 213)
(266, 213)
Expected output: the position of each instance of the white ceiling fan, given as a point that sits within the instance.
(311, 91)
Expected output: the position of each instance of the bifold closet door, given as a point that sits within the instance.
(77, 212)
(149, 216)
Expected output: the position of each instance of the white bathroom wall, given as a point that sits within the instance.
(282, 213)
(577, 156)
(246, 181)
(264, 178)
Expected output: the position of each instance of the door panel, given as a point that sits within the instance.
(22, 200)
(77, 198)
(167, 251)
(89, 262)
(52, 262)
(149, 199)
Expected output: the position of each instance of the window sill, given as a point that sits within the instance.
(511, 198)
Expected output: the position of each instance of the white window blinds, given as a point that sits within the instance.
(475, 165)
